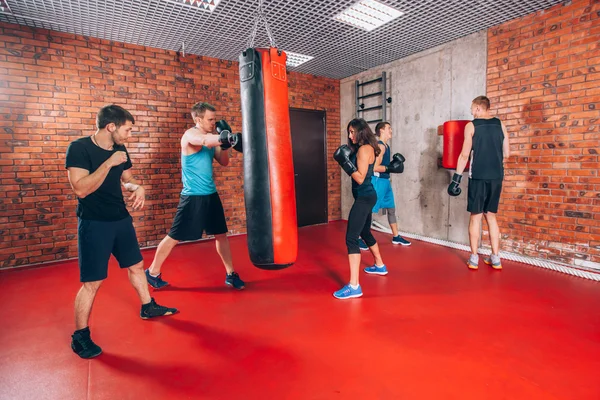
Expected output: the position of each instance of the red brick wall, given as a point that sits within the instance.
(544, 81)
(51, 86)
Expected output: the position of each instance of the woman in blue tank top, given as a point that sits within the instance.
(358, 158)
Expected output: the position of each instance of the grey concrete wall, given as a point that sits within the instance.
(427, 89)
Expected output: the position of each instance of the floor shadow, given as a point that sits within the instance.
(269, 364)
(330, 272)
(180, 377)
(305, 282)
(197, 289)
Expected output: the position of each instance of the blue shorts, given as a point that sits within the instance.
(97, 240)
(385, 195)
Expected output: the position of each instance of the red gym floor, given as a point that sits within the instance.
(431, 329)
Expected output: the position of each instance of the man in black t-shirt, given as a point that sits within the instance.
(97, 166)
(486, 143)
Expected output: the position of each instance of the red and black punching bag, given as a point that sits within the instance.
(453, 137)
(269, 191)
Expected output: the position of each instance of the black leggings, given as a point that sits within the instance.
(359, 223)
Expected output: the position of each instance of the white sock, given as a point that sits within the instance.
(154, 275)
(354, 287)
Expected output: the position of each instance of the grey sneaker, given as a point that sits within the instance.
(473, 262)
(493, 261)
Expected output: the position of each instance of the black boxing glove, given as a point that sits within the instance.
(342, 156)
(235, 140)
(396, 165)
(224, 131)
(453, 189)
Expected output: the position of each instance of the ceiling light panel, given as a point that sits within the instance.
(368, 15)
(295, 59)
(204, 5)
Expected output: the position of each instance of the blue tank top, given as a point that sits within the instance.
(385, 160)
(197, 173)
(366, 188)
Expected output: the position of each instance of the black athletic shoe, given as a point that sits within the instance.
(152, 310)
(82, 344)
(234, 280)
(155, 281)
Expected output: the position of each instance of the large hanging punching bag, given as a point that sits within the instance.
(270, 196)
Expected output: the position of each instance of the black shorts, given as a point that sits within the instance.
(196, 214)
(97, 240)
(484, 195)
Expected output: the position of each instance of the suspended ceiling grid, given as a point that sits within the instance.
(299, 26)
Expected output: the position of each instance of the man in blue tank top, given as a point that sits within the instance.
(200, 208)
(487, 145)
(383, 186)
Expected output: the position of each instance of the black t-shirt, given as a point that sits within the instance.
(487, 154)
(106, 203)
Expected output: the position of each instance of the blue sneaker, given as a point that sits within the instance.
(155, 282)
(375, 270)
(348, 293)
(234, 280)
(400, 240)
(363, 246)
